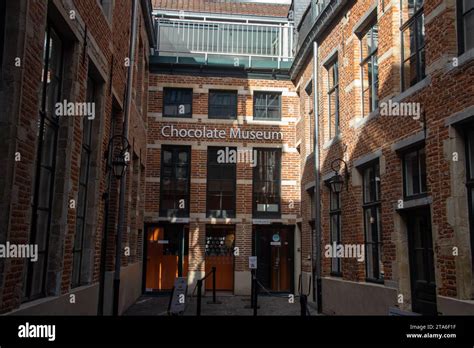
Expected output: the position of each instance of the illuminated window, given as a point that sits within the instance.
(266, 183)
(221, 184)
(175, 174)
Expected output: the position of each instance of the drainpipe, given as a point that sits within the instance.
(121, 217)
(317, 292)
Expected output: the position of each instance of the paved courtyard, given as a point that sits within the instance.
(230, 305)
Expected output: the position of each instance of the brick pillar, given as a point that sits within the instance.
(243, 241)
(196, 266)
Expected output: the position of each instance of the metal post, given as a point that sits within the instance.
(255, 296)
(199, 286)
(252, 288)
(214, 288)
(214, 284)
(303, 301)
(123, 186)
(316, 240)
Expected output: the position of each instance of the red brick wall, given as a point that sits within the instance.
(450, 91)
(106, 41)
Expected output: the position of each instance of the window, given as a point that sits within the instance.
(266, 183)
(372, 223)
(177, 102)
(223, 104)
(311, 204)
(414, 173)
(107, 7)
(335, 227)
(47, 135)
(413, 42)
(333, 99)
(469, 136)
(81, 208)
(465, 24)
(369, 69)
(267, 106)
(221, 189)
(175, 168)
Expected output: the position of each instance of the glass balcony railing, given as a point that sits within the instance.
(223, 41)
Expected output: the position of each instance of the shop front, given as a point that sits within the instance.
(220, 241)
(274, 247)
(167, 248)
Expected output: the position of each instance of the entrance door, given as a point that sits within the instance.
(420, 241)
(220, 254)
(273, 247)
(167, 255)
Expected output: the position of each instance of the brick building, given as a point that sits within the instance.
(220, 85)
(406, 190)
(57, 187)
(242, 116)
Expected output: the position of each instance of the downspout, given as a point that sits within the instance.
(317, 292)
(121, 217)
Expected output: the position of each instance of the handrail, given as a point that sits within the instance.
(278, 25)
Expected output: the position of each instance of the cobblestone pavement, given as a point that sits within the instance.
(230, 305)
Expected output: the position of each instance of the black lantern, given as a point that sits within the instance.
(337, 181)
(118, 166)
(119, 146)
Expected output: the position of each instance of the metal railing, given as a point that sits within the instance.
(199, 290)
(239, 39)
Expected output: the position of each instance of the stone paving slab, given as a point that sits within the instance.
(230, 306)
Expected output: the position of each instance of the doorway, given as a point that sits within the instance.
(273, 246)
(220, 241)
(420, 245)
(167, 255)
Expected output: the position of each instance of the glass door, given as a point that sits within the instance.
(273, 247)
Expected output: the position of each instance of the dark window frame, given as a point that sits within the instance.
(333, 89)
(221, 167)
(165, 103)
(82, 204)
(461, 19)
(374, 205)
(276, 181)
(470, 184)
(174, 165)
(213, 114)
(256, 115)
(47, 119)
(335, 210)
(371, 61)
(403, 155)
(416, 19)
(312, 204)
